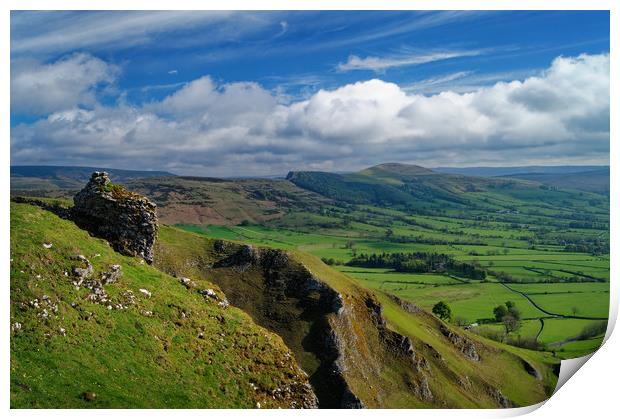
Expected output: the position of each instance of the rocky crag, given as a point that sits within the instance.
(126, 219)
(341, 340)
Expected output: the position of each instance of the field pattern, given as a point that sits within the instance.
(546, 251)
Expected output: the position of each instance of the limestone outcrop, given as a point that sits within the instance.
(126, 219)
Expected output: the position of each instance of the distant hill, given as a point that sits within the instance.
(199, 200)
(591, 181)
(70, 177)
(517, 170)
(396, 184)
(396, 170)
(584, 178)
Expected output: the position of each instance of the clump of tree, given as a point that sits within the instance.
(331, 261)
(592, 330)
(509, 315)
(442, 310)
(594, 247)
(420, 262)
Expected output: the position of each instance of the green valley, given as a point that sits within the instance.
(387, 253)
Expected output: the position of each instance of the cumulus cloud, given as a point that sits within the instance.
(379, 64)
(38, 88)
(559, 116)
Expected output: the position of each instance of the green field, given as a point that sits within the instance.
(525, 246)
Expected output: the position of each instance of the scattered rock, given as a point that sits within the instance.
(127, 220)
(499, 398)
(111, 276)
(98, 294)
(82, 272)
(188, 283)
(45, 307)
(209, 293)
(89, 396)
(145, 292)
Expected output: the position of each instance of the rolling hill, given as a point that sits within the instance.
(418, 188)
(584, 178)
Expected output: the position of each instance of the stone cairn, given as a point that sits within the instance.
(126, 219)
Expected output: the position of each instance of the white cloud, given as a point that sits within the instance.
(203, 102)
(379, 64)
(45, 32)
(283, 28)
(560, 116)
(42, 88)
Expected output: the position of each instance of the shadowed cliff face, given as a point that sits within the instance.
(127, 220)
(283, 296)
(341, 341)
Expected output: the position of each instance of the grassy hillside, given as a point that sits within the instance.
(174, 348)
(224, 202)
(419, 189)
(374, 367)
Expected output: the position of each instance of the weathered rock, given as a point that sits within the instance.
(220, 246)
(84, 271)
(499, 398)
(464, 344)
(244, 258)
(112, 275)
(188, 283)
(89, 396)
(405, 305)
(127, 220)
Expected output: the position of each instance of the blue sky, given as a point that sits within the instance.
(264, 92)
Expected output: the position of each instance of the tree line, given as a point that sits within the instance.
(419, 262)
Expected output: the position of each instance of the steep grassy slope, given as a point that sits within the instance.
(385, 352)
(172, 348)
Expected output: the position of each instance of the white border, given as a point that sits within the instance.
(591, 394)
